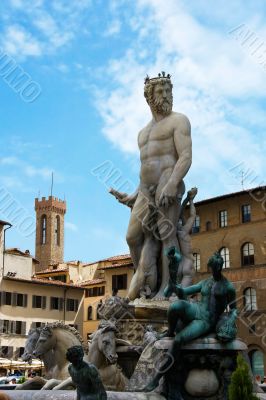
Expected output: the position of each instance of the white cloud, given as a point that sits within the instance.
(212, 76)
(47, 26)
(9, 161)
(63, 68)
(18, 41)
(11, 182)
(70, 226)
(114, 28)
(32, 171)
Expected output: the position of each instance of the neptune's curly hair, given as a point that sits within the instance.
(216, 260)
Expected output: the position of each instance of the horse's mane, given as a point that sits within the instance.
(61, 325)
(104, 326)
(34, 330)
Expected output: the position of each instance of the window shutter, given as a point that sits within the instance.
(33, 325)
(25, 300)
(1, 326)
(10, 352)
(16, 353)
(23, 328)
(1, 298)
(114, 282)
(12, 327)
(76, 305)
(61, 303)
(51, 303)
(43, 302)
(33, 301)
(125, 281)
(14, 299)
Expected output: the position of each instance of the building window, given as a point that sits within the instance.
(257, 363)
(4, 325)
(6, 351)
(5, 298)
(224, 253)
(19, 300)
(72, 305)
(21, 351)
(37, 324)
(15, 327)
(196, 261)
(95, 291)
(247, 254)
(43, 229)
(223, 218)
(56, 303)
(61, 278)
(119, 282)
(246, 213)
(89, 313)
(38, 301)
(18, 327)
(57, 230)
(208, 225)
(99, 306)
(250, 299)
(196, 225)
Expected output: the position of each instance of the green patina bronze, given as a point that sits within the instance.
(188, 320)
(174, 258)
(85, 376)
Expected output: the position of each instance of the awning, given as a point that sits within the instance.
(7, 363)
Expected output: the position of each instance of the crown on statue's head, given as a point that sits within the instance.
(161, 75)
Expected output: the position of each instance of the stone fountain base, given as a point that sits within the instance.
(203, 371)
(71, 395)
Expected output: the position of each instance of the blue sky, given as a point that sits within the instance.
(89, 57)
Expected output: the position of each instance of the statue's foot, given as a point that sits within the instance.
(159, 296)
(151, 386)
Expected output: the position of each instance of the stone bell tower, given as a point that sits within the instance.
(49, 243)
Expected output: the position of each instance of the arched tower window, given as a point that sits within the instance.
(250, 299)
(43, 229)
(247, 254)
(57, 230)
(224, 253)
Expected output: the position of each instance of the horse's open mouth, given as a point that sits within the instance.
(27, 358)
(111, 359)
(37, 355)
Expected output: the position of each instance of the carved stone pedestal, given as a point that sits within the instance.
(203, 371)
(142, 313)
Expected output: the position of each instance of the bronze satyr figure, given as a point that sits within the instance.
(85, 376)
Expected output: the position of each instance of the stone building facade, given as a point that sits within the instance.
(110, 273)
(235, 225)
(30, 300)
